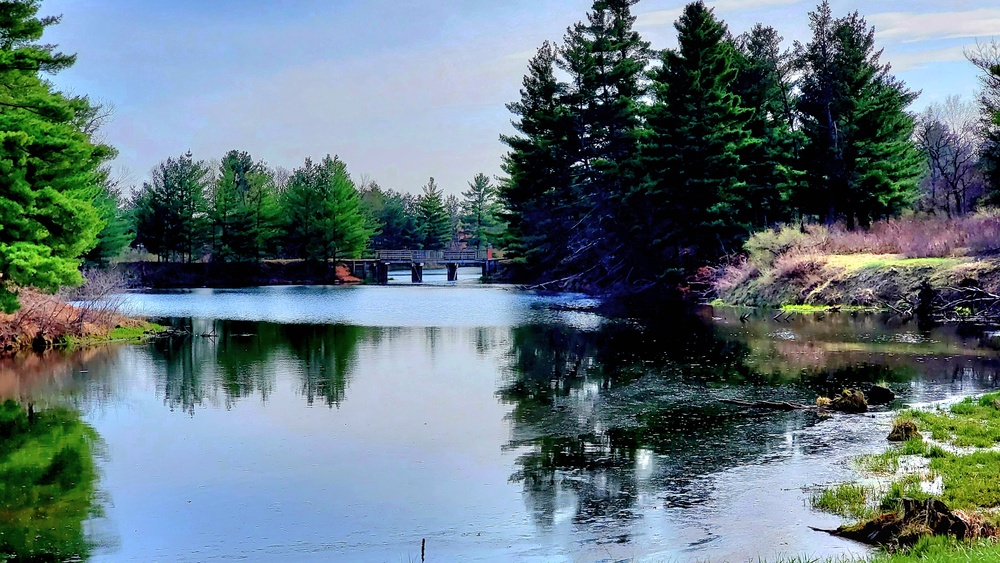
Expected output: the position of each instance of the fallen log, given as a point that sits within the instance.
(775, 405)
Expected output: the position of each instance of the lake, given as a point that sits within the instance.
(355, 423)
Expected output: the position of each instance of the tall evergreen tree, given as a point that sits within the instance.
(480, 211)
(117, 233)
(605, 59)
(49, 167)
(986, 57)
(695, 197)
(433, 220)
(536, 194)
(764, 84)
(861, 162)
(322, 212)
(170, 212)
(244, 209)
(393, 217)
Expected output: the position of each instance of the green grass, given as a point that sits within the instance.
(971, 423)
(846, 499)
(970, 481)
(119, 334)
(939, 549)
(879, 464)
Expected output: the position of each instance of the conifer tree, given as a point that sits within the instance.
(322, 212)
(861, 162)
(763, 83)
(480, 211)
(694, 199)
(49, 167)
(244, 209)
(170, 212)
(605, 59)
(433, 221)
(537, 191)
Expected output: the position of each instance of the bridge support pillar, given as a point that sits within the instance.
(452, 272)
(416, 272)
(382, 273)
(486, 270)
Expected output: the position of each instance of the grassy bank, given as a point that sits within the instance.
(47, 321)
(955, 460)
(885, 266)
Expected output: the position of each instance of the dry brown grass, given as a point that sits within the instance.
(44, 319)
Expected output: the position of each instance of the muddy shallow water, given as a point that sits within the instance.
(352, 424)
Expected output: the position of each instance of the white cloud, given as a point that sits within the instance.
(668, 17)
(910, 27)
(903, 62)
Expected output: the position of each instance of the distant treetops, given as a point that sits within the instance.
(241, 210)
(630, 167)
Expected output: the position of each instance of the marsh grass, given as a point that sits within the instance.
(849, 500)
(973, 422)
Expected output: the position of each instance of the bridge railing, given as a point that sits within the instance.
(430, 255)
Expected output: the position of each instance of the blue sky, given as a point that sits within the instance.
(401, 90)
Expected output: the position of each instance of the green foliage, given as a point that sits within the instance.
(696, 200)
(434, 225)
(117, 233)
(764, 247)
(860, 161)
(971, 422)
(322, 212)
(574, 159)
(480, 212)
(970, 481)
(394, 216)
(170, 212)
(244, 209)
(47, 484)
(847, 499)
(943, 549)
(49, 166)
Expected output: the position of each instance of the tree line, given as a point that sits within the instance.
(241, 210)
(633, 167)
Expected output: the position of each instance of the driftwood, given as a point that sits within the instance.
(916, 519)
(775, 405)
(849, 401)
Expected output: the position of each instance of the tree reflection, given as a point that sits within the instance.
(47, 484)
(600, 417)
(224, 362)
(327, 354)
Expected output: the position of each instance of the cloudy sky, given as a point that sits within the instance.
(402, 90)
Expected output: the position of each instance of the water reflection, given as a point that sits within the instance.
(612, 423)
(47, 484)
(559, 436)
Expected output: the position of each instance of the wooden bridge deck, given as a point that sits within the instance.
(378, 267)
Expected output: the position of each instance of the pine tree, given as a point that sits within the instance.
(49, 167)
(322, 212)
(861, 162)
(695, 196)
(606, 60)
(986, 57)
(480, 212)
(117, 233)
(393, 217)
(433, 220)
(170, 212)
(244, 209)
(764, 84)
(537, 191)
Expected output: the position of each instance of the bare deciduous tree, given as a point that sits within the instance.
(950, 136)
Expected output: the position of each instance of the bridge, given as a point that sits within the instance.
(378, 267)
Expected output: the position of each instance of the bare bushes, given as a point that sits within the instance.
(45, 319)
(881, 264)
(101, 298)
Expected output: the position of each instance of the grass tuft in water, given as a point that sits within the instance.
(849, 500)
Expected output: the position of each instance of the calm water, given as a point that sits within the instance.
(320, 424)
